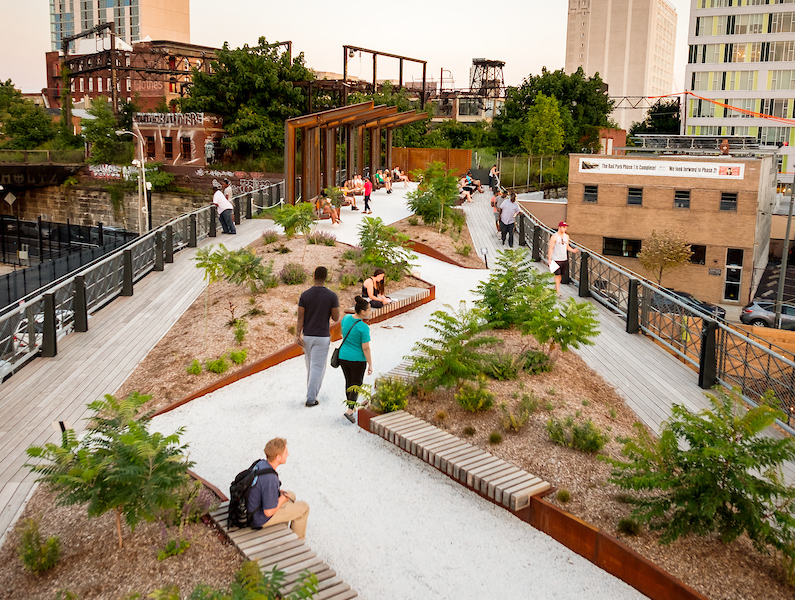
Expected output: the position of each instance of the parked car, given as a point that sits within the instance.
(664, 304)
(762, 313)
(64, 323)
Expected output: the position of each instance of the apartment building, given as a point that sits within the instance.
(134, 20)
(722, 204)
(630, 43)
(742, 55)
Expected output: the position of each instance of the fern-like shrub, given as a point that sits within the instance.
(296, 218)
(435, 197)
(584, 436)
(36, 555)
(240, 329)
(475, 399)
(383, 246)
(453, 354)
(195, 367)
(218, 365)
(504, 366)
(391, 394)
(293, 274)
(238, 356)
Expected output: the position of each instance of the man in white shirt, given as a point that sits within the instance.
(225, 209)
(559, 248)
(508, 211)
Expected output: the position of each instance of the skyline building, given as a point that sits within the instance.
(134, 20)
(630, 43)
(742, 55)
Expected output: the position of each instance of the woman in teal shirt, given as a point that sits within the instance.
(355, 352)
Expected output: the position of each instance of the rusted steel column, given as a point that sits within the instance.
(289, 162)
(389, 148)
(359, 149)
(306, 151)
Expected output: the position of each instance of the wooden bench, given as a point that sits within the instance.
(502, 482)
(401, 300)
(278, 547)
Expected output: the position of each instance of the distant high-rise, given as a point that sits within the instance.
(134, 19)
(742, 54)
(630, 43)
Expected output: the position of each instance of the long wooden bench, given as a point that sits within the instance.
(402, 300)
(278, 547)
(493, 477)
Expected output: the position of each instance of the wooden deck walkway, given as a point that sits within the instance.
(91, 364)
(277, 547)
(648, 378)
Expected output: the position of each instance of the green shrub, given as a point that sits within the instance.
(463, 249)
(457, 220)
(280, 249)
(295, 218)
(391, 394)
(65, 594)
(441, 415)
(514, 421)
(348, 279)
(238, 356)
(173, 548)
(293, 274)
(193, 501)
(549, 407)
(475, 399)
(383, 246)
(413, 221)
(436, 195)
(563, 496)
(504, 366)
(495, 437)
(269, 237)
(535, 362)
(469, 431)
(240, 267)
(36, 556)
(218, 365)
(321, 238)
(629, 526)
(195, 367)
(240, 329)
(583, 436)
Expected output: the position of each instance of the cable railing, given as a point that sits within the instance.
(32, 326)
(718, 352)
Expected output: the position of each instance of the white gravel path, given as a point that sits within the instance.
(391, 526)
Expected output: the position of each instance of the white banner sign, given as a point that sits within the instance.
(663, 168)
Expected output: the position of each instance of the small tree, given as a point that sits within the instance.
(117, 466)
(296, 218)
(436, 195)
(383, 246)
(544, 133)
(565, 325)
(453, 355)
(714, 471)
(663, 252)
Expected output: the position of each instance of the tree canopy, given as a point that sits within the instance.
(23, 125)
(410, 135)
(583, 103)
(100, 132)
(252, 89)
(663, 117)
(543, 132)
(664, 251)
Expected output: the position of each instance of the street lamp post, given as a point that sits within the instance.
(141, 177)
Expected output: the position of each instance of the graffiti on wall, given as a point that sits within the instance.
(105, 171)
(246, 182)
(193, 119)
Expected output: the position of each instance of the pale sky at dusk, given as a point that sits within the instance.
(526, 34)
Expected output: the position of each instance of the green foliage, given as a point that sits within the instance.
(195, 367)
(469, 431)
(251, 88)
(100, 134)
(413, 221)
(336, 195)
(583, 436)
(454, 354)
(238, 356)
(269, 237)
(495, 437)
(504, 366)
(455, 134)
(544, 131)
(383, 247)
(65, 594)
(475, 399)
(664, 251)
(391, 394)
(118, 465)
(412, 135)
(583, 102)
(435, 197)
(240, 267)
(514, 421)
(240, 328)
(321, 238)
(563, 496)
(713, 471)
(293, 274)
(25, 125)
(663, 117)
(535, 362)
(219, 365)
(348, 279)
(296, 218)
(173, 548)
(37, 556)
(568, 325)
(628, 526)
(463, 250)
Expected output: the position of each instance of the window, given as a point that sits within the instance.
(187, 154)
(591, 193)
(168, 147)
(150, 146)
(728, 201)
(635, 196)
(734, 273)
(682, 199)
(699, 256)
(619, 247)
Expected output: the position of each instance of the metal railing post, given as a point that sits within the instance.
(159, 266)
(213, 223)
(127, 274)
(633, 326)
(192, 232)
(708, 360)
(261, 199)
(536, 243)
(522, 220)
(49, 343)
(248, 206)
(169, 244)
(237, 211)
(80, 304)
(585, 287)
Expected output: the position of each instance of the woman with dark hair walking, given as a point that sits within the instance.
(355, 353)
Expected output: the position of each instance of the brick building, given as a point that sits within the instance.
(180, 138)
(722, 204)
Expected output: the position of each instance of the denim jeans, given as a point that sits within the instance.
(316, 356)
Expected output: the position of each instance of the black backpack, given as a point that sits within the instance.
(238, 495)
